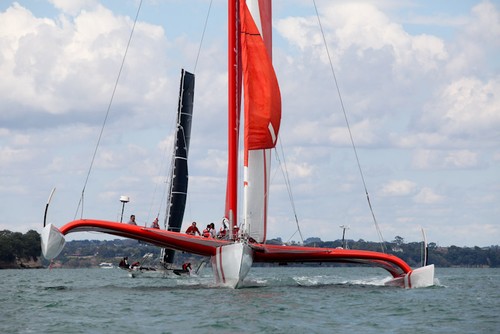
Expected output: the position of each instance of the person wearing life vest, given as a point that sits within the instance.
(206, 232)
(186, 267)
(222, 233)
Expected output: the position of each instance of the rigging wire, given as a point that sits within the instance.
(284, 171)
(157, 185)
(381, 238)
(107, 113)
(202, 36)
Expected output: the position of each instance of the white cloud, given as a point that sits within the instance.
(398, 188)
(74, 7)
(362, 26)
(59, 66)
(428, 196)
(465, 109)
(9, 155)
(461, 159)
(485, 23)
(298, 170)
(439, 159)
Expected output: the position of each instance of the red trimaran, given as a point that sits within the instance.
(249, 63)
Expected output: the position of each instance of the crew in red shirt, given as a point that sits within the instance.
(192, 230)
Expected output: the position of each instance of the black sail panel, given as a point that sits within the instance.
(177, 196)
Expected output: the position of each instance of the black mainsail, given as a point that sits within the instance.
(176, 202)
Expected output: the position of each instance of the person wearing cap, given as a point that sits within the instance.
(192, 230)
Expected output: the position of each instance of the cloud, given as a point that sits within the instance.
(70, 64)
(11, 155)
(364, 27)
(398, 188)
(75, 6)
(466, 108)
(428, 196)
(438, 159)
(377, 63)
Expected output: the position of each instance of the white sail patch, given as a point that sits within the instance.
(256, 177)
(272, 132)
(253, 7)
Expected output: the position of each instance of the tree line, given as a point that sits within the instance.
(18, 249)
(412, 252)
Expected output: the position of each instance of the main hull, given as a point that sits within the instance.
(231, 264)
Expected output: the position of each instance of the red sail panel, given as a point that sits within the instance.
(262, 94)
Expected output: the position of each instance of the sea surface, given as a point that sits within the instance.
(274, 300)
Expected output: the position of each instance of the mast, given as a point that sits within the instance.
(234, 100)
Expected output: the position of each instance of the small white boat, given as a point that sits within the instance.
(106, 265)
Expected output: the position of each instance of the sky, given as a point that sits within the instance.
(419, 80)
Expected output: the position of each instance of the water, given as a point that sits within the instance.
(275, 300)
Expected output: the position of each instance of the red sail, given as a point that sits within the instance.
(262, 94)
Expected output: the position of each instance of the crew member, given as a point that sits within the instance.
(186, 267)
(124, 263)
(192, 230)
(132, 220)
(155, 223)
(213, 233)
(206, 232)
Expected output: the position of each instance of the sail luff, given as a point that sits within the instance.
(176, 202)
